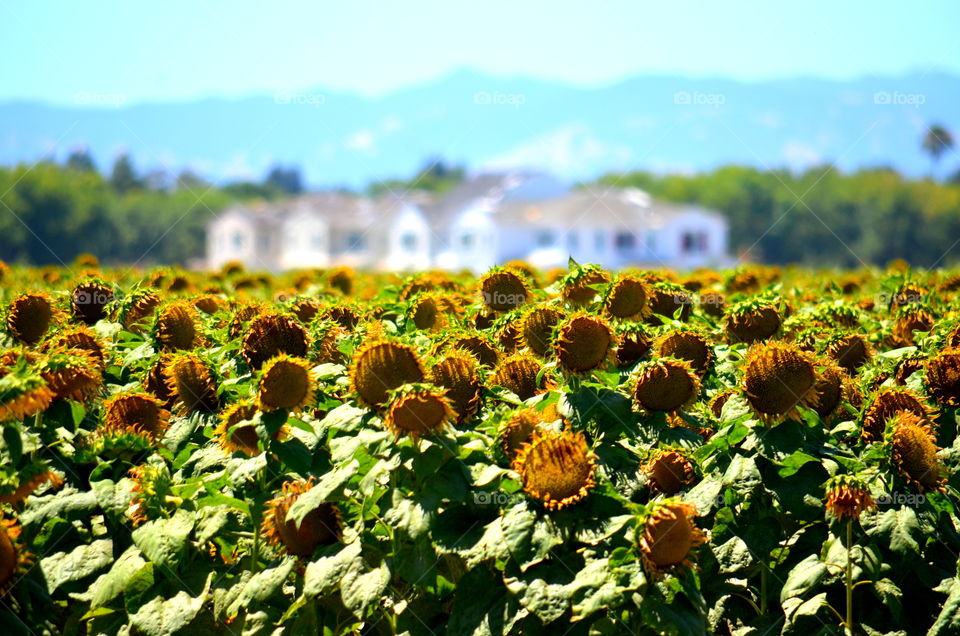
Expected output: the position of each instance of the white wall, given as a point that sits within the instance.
(408, 241)
(694, 239)
(304, 242)
(474, 242)
(232, 237)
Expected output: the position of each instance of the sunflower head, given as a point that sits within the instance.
(848, 497)
(626, 298)
(830, 388)
(29, 316)
(139, 412)
(152, 493)
(557, 469)
(502, 289)
(342, 279)
(518, 373)
(943, 377)
(325, 338)
(634, 341)
(379, 367)
(417, 410)
(73, 374)
(23, 390)
(14, 558)
(136, 308)
(191, 383)
(849, 350)
(89, 300)
(28, 480)
(320, 526)
(516, 431)
(907, 366)
(270, 334)
(713, 304)
(668, 471)
(908, 294)
(474, 343)
(668, 536)
(752, 320)
(914, 452)
(285, 383)
(910, 319)
(582, 343)
(582, 284)
(176, 326)
(77, 337)
(665, 385)
(885, 405)
(666, 299)
(237, 431)
(536, 328)
(208, 303)
(689, 345)
(243, 313)
(777, 377)
(459, 373)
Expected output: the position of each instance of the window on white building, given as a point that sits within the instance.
(356, 242)
(625, 241)
(409, 242)
(238, 241)
(694, 242)
(546, 239)
(600, 241)
(466, 241)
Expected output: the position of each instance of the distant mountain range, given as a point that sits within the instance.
(657, 123)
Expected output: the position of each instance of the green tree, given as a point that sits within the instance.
(81, 161)
(123, 177)
(936, 142)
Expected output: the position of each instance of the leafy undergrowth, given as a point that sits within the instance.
(747, 452)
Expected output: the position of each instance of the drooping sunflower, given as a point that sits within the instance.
(325, 336)
(89, 300)
(829, 389)
(518, 373)
(626, 298)
(668, 471)
(270, 334)
(907, 366)
(943, 377)
(29, 316)
(176, 326)
(848, 497)
(502, 289)
(152, 493)
(191, 383)
(24, 391)
(135, 411)
(914, 452)
(72, 374)
(77, 337)
(237, 432)
(459, 373)
(342, 279)
(557, 469)
(907, 294)
(426, 312)
(849, 350)
(713, 304)
(582, 284)
(668, 299)
(718, 401)
(910, 319)
(665, 385)
(536, 327)
(29, 480)
(136, 308)
(417, 410)
(474, 343)
(14, 558)
(689, 345)
(668, 536)
(582, 343)
(379, 367)
(778, 377)
(517, 430)
(886, 404)
(634, 341)
(320, 526)
(285, 383)
(752, 320)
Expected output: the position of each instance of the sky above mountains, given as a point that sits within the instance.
(64, 52)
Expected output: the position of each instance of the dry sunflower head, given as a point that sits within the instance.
(502, 289)
(285, 383)
(914, 452)
(582, 343)
(176, 326)
(418, 410)
(943, 377)
(537, 326)
(885, 405)
(752, 320)
(30, 316)
(668, 536)
(689, 345)
(633, 342)
(665, 385)
(89, 300)
(626, 298)
(270, 334)
(557, 469)
(517, 430)
(134, 411)
(381, 366)
(848, 497)
(191, 383)
(518, 373)
(459, 373)
(320, 526)
(778, 377)
(668, 471)
(582, 284)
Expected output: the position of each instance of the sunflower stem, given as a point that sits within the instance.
(763, 589)
(849, 623)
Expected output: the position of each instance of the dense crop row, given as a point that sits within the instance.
(745, 452)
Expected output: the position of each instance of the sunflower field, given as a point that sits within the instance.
(578, 451)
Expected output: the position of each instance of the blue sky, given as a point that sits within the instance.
(184, 50)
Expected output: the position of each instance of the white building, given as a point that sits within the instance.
(486, 220)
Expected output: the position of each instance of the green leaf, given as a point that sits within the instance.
(548, 601)
(360, 590)
(794, 462)
(163, 541)
(948, 621)
(323, 574)
(14, 443)
(900, 526)
(110, 585)
(332, 481)
(261, 586)
(68, 503)
(733, 556)
(802, 578)
(161, 617)
(81, 562)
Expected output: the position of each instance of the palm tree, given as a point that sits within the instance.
(936, 142)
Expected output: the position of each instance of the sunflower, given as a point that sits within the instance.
(342, 279)
(887, 403)
(943, 377)
(23, 391)
(89, 300)
(752, 321)
(536, 328)
(29, 480)
(557, 469)
(666, 299)
(581, 285)
(416, 410)
(270, 334)
(325, 336)
(176, 327)
(910, 319)
(152, 493)
(72, 374)
(582, 343)
(136, 308)
(502, 290)
(665, 385)
(29, 317)
(518, 430)
(78, 337)
(141, 412)
(381, 366)
(320, 526)
(237, 432)
(686, 344)
(285, 383)
(907, 366)
(668, 536)
(914, 452)
(459, 373)
(778, 377)
(719, 400)
(518, 373)
(626, 298)
(907, 294)
(668, 471)
(713, 304)
(849, 350)
(829, 389)
(633, 343)
(208, 304)
(191, 383)
(474, 343)
(848, 497)
(14, 559)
